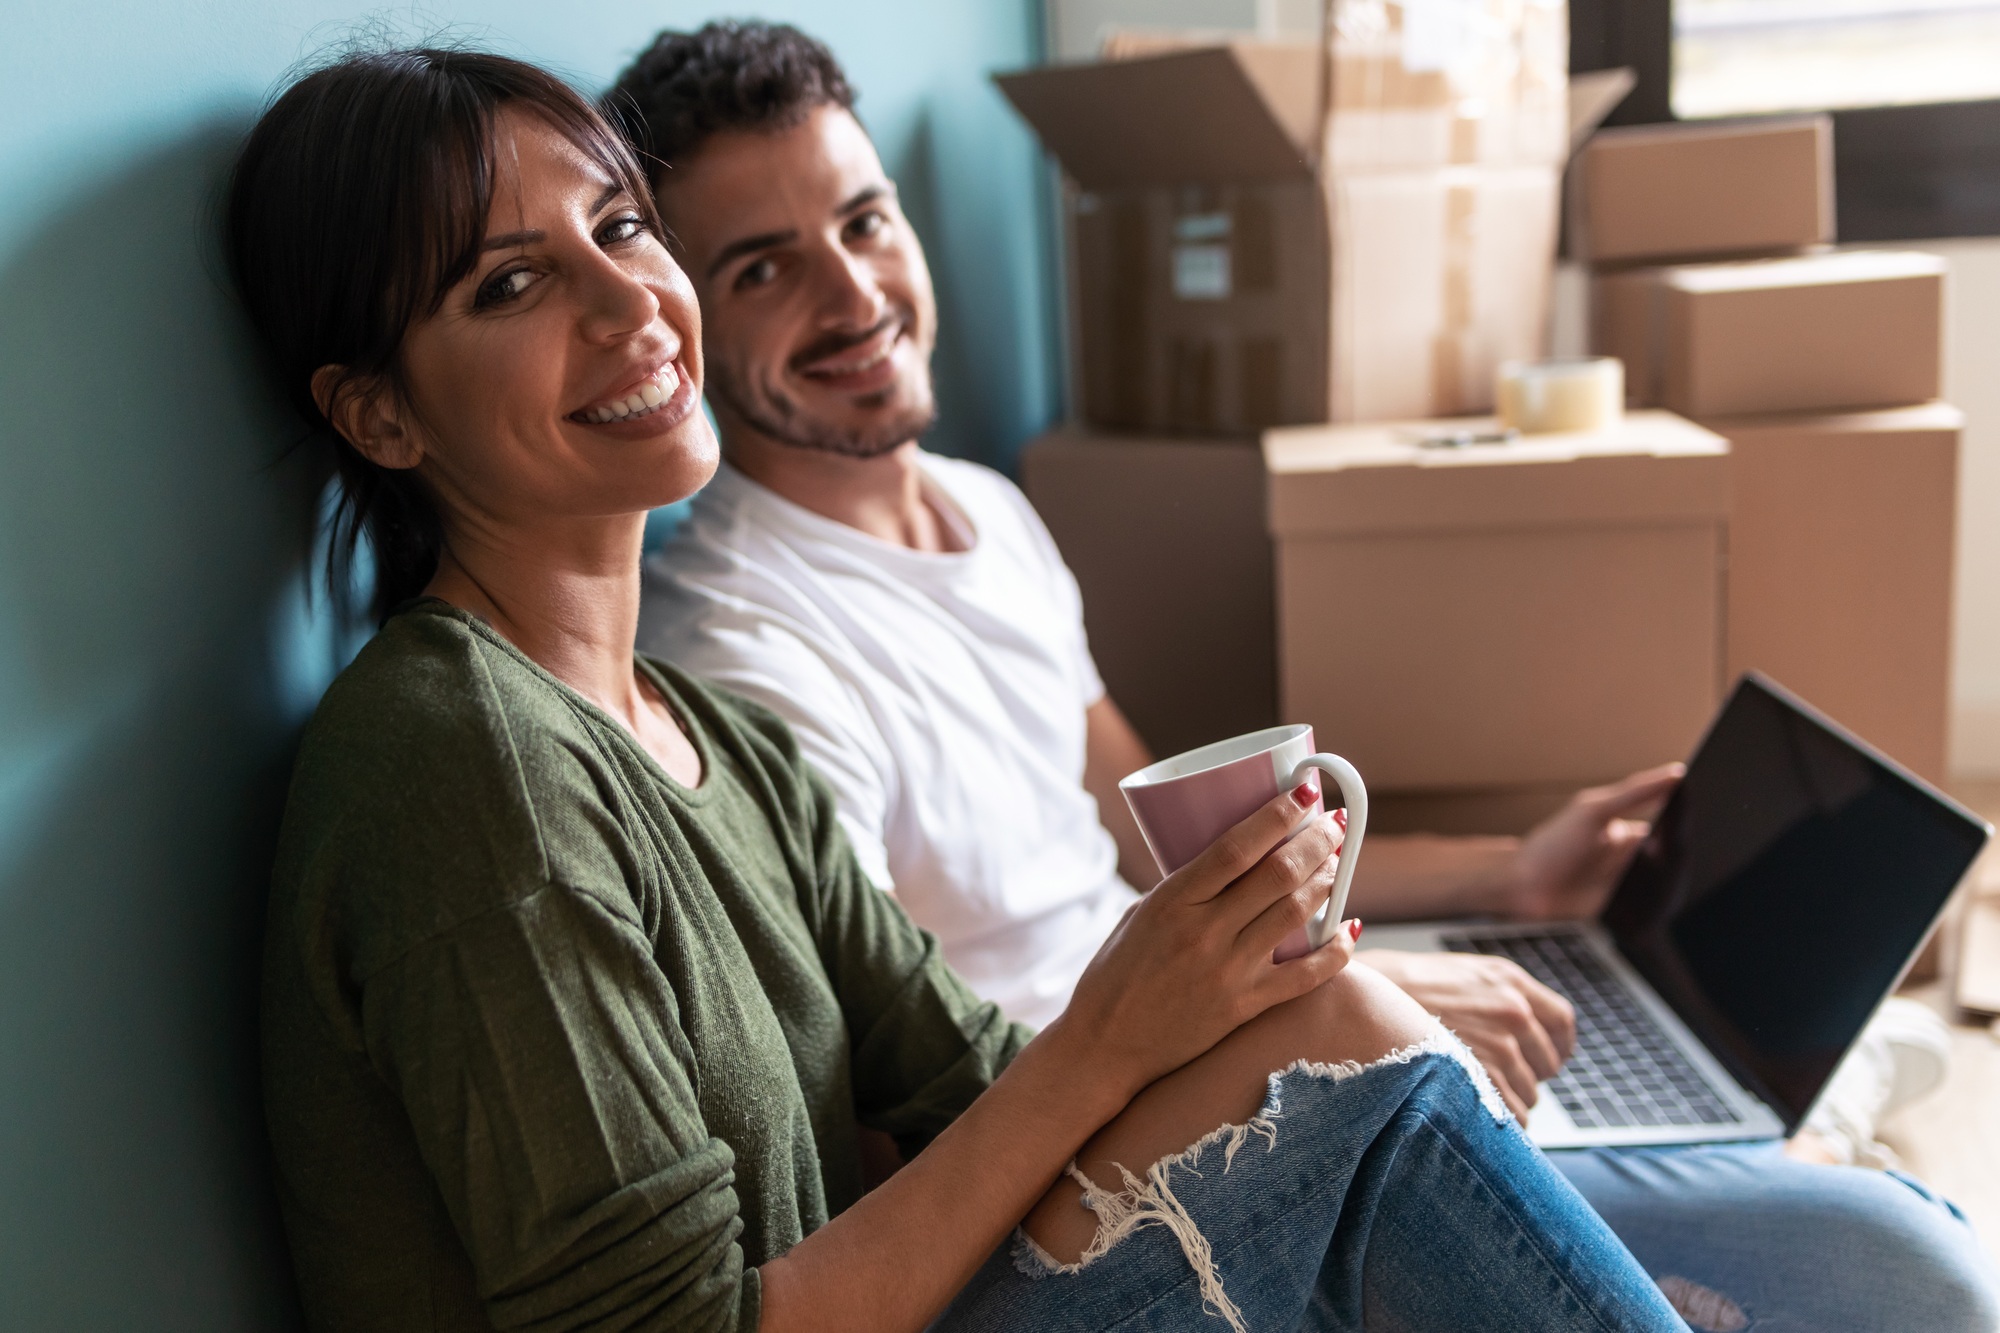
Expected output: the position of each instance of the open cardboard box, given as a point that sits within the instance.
(1256, 243)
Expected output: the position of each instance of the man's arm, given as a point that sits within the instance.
(1564, 869)
(1111, 750)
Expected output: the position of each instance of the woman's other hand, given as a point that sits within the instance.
(1191, 962)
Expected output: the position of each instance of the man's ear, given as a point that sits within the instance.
(369, 415)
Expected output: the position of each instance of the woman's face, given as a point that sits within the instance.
(562, 378)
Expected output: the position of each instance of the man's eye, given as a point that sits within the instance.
(868, 224)
(756, 274)
(504, 287)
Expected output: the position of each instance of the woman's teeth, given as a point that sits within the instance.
(648, 397)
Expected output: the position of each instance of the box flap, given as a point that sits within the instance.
(1241, 112)
(1930, 418)
(1592, 97)
(1834, 266)
(1385, 477)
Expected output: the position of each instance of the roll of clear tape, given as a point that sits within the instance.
(1569, 394)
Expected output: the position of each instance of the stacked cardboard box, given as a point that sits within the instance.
(1265, 233)
(1166, 537)
(1715, 284)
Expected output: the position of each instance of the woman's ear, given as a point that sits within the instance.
(369, 415)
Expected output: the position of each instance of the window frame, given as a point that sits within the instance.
(1900, 172)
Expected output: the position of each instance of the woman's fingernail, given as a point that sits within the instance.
(1340, 817)
(1304, 793)
(1354, 929)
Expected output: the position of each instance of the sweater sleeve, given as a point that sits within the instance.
(537, 1050)
(924, 1046)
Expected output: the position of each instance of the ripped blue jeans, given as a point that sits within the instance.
(1398, 1196)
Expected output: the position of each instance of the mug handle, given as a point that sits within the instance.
(1320, 929)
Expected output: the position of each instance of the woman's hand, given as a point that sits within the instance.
(1191, 962)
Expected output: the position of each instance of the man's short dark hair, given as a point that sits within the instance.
(726, 76)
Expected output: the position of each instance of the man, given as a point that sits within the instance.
(909, 616)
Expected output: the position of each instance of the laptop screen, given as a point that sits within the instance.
(1784, 888)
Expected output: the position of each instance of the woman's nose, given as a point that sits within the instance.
(617, 303)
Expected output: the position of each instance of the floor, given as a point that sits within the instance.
(1952, 1138)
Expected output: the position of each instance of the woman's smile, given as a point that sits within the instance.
(659, 401)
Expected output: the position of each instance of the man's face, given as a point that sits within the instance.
(817, 308)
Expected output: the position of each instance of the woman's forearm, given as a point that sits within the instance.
(896, 1258)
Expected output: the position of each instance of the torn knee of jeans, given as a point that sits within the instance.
(1150, 1201)
(1706, 1310)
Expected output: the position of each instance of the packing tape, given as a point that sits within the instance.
(1573, 394)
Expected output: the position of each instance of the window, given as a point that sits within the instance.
(1914, 87)
(1733, 57)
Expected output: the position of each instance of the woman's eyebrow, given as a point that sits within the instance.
(507, 240)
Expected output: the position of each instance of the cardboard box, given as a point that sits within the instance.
(1168, 543)
(1247, 251)
(1811, 333)
(1697, 189)
(1841, 536)
(1539, 614)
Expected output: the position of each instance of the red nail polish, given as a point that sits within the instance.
(1354, 930)
(1304, 793)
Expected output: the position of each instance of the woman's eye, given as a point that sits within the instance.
(504, 287)
(621, 229)
(756, 274)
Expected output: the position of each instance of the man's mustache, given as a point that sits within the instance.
(833, 344)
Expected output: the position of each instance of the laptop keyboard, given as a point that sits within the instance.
(1626, 1070)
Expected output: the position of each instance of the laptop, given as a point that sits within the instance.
(1783, 891)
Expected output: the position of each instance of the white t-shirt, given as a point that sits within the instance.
(942, 696)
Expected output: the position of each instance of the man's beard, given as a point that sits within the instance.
(774, 414)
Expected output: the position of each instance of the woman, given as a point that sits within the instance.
(574, 994)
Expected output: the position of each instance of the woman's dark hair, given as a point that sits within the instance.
(723, 76)
(359, 201)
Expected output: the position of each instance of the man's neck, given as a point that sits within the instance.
(884, 496)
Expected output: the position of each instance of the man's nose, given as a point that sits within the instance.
(850, 291)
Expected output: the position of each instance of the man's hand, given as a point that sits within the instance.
(1567, 865)
(1520, 1029)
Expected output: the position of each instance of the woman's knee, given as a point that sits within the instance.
(1358, 1017)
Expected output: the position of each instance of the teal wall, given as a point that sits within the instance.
(156, 651)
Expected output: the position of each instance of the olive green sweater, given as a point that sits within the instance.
(552, 1042)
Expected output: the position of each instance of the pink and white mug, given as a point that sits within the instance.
(1185, 803)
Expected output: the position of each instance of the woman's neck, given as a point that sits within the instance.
(567, 595)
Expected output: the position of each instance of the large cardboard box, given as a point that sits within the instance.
(1252, 245)
(1810, 333)
(1705, 188)
(1523, 617)
(1841, 536)
(1168, 543)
